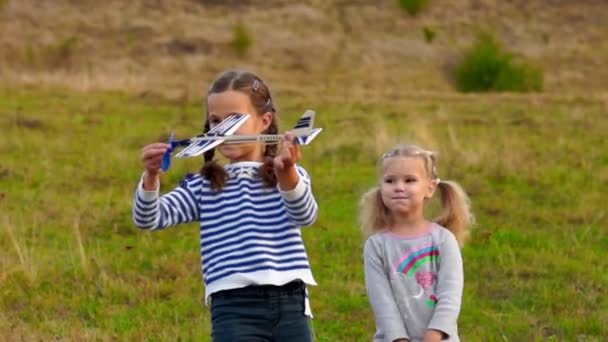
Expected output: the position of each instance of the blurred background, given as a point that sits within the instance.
(513, 95)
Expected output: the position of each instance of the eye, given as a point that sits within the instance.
(389, 180)
(410, 180)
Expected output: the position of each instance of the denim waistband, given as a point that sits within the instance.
(292, 288)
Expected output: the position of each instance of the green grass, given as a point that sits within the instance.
(73, 266)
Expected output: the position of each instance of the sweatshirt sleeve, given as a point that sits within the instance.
(450, 280)
(388, 318)
(300, 203)
(152, 211)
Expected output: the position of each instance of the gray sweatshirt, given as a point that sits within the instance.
(414, 283)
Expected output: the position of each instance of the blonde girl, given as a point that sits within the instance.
(413, 266)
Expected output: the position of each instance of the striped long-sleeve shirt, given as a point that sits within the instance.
(249, 233)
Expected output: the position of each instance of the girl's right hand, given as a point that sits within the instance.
(151, 156)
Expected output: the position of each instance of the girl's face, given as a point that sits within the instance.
(220, 105)
(405, 185)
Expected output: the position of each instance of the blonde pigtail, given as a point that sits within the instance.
(456, 213)
(373, 215)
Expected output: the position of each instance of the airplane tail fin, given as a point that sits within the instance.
(303, 130)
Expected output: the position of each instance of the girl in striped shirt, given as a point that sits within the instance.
(254, 264)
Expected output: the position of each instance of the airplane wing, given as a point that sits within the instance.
(306, 139)
(201, 145)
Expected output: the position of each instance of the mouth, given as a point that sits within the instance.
(399, 198)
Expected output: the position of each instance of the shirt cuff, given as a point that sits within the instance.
(147, 195)
(295, 193)
(395, 335)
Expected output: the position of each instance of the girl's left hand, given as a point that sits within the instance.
(290, 153)
(432, 336)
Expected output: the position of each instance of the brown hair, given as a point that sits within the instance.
(456, 213)
(259, 95)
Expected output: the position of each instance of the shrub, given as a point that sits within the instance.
(486, 67)
(241, 39)
(413, 7)
(429, 34)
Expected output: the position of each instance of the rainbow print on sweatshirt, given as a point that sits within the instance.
(416, 257)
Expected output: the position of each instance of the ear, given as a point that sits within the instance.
(266, 120)
(432, 186)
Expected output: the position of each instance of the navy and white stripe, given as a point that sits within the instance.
(249, 233)
(152, 212)
(304, 122)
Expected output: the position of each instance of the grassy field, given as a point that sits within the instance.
(73, 266)
(85, 84)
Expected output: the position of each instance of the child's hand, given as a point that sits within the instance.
(432, 336)
(151, 156)
(290, 153)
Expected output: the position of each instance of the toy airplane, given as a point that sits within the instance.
(224, 133)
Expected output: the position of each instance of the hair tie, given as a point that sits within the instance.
(256, 85)
(438, 180)
(389, 154)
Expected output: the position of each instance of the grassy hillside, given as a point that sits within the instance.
(85, 84)
(314, 47)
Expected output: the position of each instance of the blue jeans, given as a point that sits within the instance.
(260, 313)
